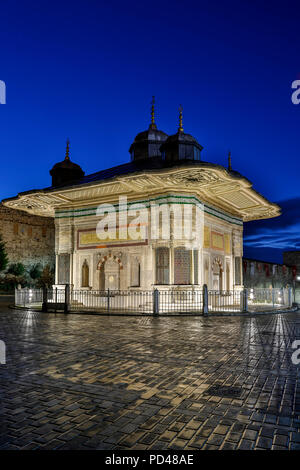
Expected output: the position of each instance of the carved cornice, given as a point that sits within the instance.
(215, 186)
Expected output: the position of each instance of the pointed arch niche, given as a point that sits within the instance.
(217, 272)
(85, 274)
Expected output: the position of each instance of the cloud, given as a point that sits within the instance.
(270, 237)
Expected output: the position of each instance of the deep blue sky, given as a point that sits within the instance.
(87, 70)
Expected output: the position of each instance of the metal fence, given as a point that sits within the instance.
(225, 301)
(112, 301)
(180, 301)
(34, 297)
(174, 301)
(276, 298)
(28, 297)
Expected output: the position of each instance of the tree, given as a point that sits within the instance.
(3, 255)
(35, 271)
(16, 268)
(47, 277)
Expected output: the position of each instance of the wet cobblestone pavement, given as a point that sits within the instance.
(96, 382)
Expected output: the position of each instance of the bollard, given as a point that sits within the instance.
(108, 300)
(290, 296)
(155, 302)
(205, 301)
(67, 298)
(245, 300)
(45, 298)
(273, 297)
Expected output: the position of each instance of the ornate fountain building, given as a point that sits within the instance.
(165, 171)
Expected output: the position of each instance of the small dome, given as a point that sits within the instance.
(147, 144)
(181, 146)
(182, 138)
(151, 134)
(66, 164)
(65, 171)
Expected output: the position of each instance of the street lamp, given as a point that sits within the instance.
(294, 285)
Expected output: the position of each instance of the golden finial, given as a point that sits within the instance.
(229, 161)
(152, 125)
(67, 150)
(180, 128)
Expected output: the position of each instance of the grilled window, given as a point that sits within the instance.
(162, 265)
(182, 266)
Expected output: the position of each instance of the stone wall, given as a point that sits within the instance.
(29, 239)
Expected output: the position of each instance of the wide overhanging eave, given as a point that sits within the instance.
(210, 181)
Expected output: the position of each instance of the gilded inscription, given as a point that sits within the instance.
(217, 241)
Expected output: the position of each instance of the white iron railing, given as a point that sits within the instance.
(175, 301)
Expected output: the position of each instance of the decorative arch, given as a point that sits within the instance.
(105, 258)
(217, 272)
(217, 262)
(85, 274)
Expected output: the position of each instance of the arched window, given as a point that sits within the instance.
(227, 277)
(85, 274)
(135, 274)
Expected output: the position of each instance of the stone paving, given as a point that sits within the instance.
(96, 382)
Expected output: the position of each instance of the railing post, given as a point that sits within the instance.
(67, 298)
(290, 296)
(155, 302)
(108, 300)
(273, 297)
(45, 298)
(245, 300)
(205, 301)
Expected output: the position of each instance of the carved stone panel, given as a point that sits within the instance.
(63, 261)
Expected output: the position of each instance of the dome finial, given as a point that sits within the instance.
(67, 150)
(152, 125)
(180, 128)
(229, 161)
